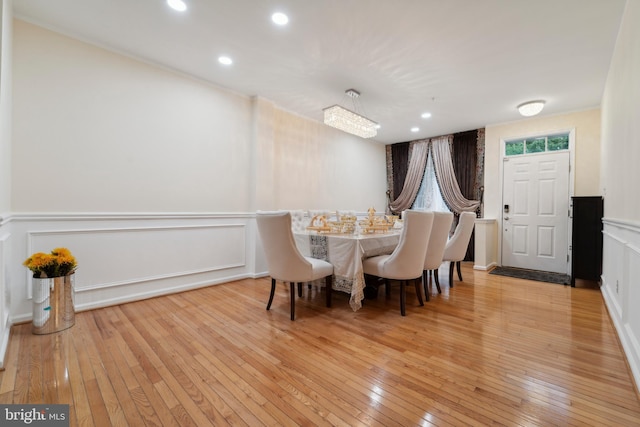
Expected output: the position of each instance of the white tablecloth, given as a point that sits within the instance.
(346, 252)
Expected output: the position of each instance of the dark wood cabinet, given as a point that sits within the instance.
(586, 240)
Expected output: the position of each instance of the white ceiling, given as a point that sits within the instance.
(467, 62)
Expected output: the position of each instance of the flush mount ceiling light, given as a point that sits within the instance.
(280, 18)
(350, 121)
(531, 108)
(178, 5)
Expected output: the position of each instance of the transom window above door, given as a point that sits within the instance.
(539, 144)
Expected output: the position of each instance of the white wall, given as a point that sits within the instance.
(5, 168)
(151, 178)
(5, 104)
(619, 179)
(118, 135)
(621, 122)
(112, 134)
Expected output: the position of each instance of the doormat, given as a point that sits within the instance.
(540, 276)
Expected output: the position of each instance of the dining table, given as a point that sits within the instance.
(346, 251)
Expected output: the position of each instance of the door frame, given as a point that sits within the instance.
(572, 171)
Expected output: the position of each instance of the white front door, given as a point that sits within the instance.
(535, 218)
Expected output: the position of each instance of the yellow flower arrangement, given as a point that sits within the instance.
(58, 263)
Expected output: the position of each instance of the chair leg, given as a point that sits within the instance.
(329, 286)
(416, 282)
(300, 289)
(387, 287)
(451, 263)
(292, 286)
(459, 272)
(403, 298)
(437, 280)
(425, 284)
(273, 292)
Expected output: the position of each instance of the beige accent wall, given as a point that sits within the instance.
(324, 168)
(587, 152)
(303, 164)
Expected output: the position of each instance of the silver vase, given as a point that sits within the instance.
(53, 304)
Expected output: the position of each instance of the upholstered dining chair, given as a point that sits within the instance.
(435, 250)
(456, 247)
(284, 260)
(341, 213)
(328, 213)
(299, 220)
(405, 262)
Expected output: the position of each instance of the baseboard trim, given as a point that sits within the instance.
(143, 295)
(485, 267)
(4, 345)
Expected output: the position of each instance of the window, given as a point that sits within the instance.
(429, 197)
(538, 144)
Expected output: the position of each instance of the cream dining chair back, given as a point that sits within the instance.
(299, 220)
(341, 213)
(327, 213)
(405, 262)
(456, 247)
(284, 260)
(435, 250)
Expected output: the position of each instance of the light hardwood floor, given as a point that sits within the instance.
(491, 351)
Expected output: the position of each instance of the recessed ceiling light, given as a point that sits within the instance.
(378, 126)
(225, 60)
(178, 5)
(425, 115)
(280, 18)
(415, 129)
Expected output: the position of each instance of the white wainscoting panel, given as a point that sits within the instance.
(131, 257)
(631, 312)
(613, 251)
(621, 285)
(117, 257)
(5, 324)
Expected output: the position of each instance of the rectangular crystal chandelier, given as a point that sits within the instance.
(348, 121)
